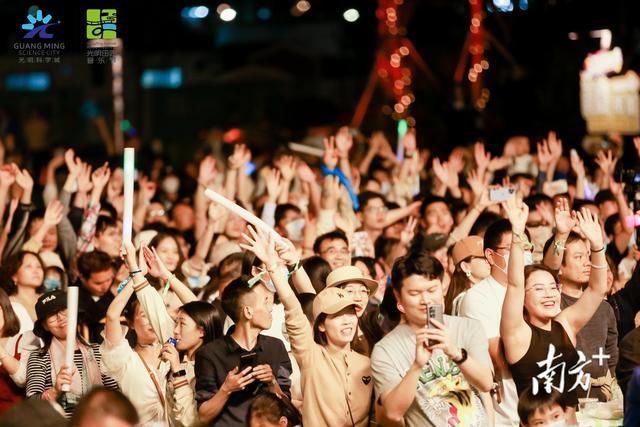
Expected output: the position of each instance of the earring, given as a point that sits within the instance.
(467, 273)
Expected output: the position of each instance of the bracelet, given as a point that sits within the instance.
(131, 273)
(523, 239)
(296, 267)
(558, 246)
(141, 286)
(593, 251)
(123, 284)
(167, 284)
(599, 267)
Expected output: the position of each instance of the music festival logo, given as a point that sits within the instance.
(102, 24)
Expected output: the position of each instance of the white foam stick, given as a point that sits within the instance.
(306, 149)
(127, 217)
(242, 213)
(72, 323)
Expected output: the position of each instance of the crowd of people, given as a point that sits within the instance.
(476, 290)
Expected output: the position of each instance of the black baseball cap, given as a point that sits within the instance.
(47, 305)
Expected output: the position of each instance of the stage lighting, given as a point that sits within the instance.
(351, 15)
(228, 14)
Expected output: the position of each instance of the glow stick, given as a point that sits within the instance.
(242, 213)
(72, 323)
(127, 218)
(306, 149)
(402, 131)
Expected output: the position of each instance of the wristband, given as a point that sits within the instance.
(558, 246)
(599, 267)
(123, 284)
(523, 239)
(167, 284)
(132, 273)
(593, 251)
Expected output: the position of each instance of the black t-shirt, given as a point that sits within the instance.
(214, 361)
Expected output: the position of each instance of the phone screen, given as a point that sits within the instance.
(247, 360)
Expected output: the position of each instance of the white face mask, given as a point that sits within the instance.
(528, 258)
(197, 282)
(295, 229)
(562, 423)
(506, 262)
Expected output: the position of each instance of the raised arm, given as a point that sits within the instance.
(52, 217)
(513, 329)
(622, 238)
(298, 327)
(158, 270)
(112, 329)
(578, 168)
(608, 165)
(344, 142)
(206, 178)
(578, 314)
(7, 178)
(299, 278)
(565, 221)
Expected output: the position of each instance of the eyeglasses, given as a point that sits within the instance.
(363, 292)
(58, 317)
(377, 209)
(157, 212)
(336, 251)
(540, 288)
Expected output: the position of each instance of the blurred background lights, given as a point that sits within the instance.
(222, 7)
(195, 12)
(303, 6)
(264, 13)
(228, 14)
(351, 15)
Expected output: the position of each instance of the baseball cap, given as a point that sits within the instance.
(469, 246)
(331, 301)
(48, 304)
(350, 274)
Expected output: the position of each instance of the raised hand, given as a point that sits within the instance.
(606, 162)
(54, 214)
(456, 162)
(287, 252)
(409, 231)
(546, 213)
(330, 192)
(7, 176)
(56, 162)
(565, 219)
(445, 173)
(555, 146)
(475, 181)
(84, 178)
(274, 184)
(517, 212)
(100, 177)
(305, 173)
(128, 255)
(73, 163)
(409, 142)
(330, 155)
(240, 157)
(262, 245)
(344, 142)
(616, 188)
(498, 163)
(590, 227)
(545, 157)
(287, 166)
(155, 266)
(207, 171)
(481, 157)
(23, 178)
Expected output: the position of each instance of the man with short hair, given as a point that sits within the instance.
(224, 385)
(430, 376)
(373, 214)
(333, 247)
(483, 302)
(96, 291)
(600, 335)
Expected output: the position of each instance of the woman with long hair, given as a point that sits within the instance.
(47, 372)
(196, 323)
(137, 367)
(167, 248)
(22, 277)
(337, 384)
(533, 327)
(470, 267)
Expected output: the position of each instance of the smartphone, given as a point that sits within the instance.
(500, 194)
(248, 360)
(434, 311)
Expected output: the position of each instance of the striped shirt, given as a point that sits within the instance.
(39, 376)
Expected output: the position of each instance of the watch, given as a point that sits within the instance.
(462, 359)
(180, 373)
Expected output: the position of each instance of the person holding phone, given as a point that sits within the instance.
(428, 372)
